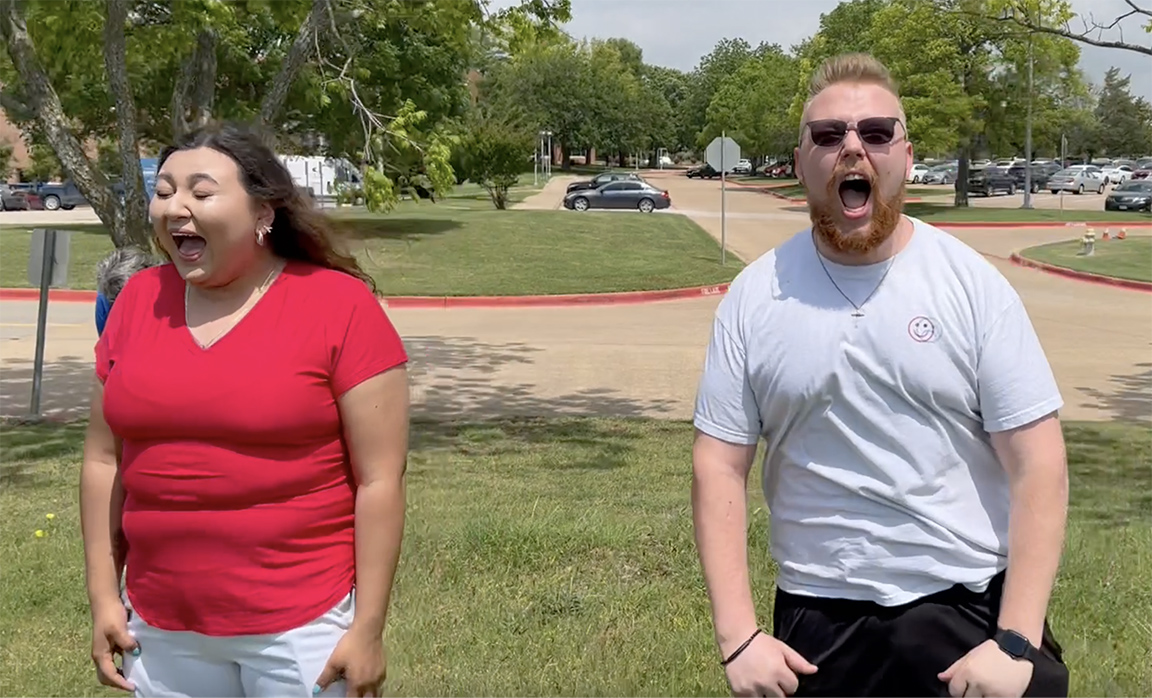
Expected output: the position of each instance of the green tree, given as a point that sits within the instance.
(1126, 120)
(724, 60)
(753, 105)
(492, 154)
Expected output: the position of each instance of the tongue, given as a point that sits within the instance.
(188, 245)
(852, 197)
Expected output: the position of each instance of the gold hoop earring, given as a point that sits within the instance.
(261, 233)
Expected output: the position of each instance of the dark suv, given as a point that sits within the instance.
(989, 180)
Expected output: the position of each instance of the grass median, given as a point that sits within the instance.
(462, 246)
(555, 557)
(1130, 258)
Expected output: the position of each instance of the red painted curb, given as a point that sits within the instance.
(558, 300)
(1042, 224)
(62, 295)
(1088, 277)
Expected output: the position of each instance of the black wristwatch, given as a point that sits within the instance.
(1015, 645)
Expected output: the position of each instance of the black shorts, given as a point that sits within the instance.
(864, 649)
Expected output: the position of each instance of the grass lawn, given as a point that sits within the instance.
(555, 557)
(1130, 258)
(937, 212)
(462, 246)
(796, 191)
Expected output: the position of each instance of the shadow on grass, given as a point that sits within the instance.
(411, 229)
(1129, 398)
(1110, 472)
(560, 444)
(22, 450)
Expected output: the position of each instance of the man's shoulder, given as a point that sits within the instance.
(760, 277)
(955, 261)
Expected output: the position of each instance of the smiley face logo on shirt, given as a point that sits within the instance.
(922, 329)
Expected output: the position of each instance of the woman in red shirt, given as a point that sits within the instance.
(247, 443)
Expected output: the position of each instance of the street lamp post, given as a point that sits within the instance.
(1028, 133)
(548, 162)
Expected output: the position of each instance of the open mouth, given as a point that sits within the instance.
(855, 191)
(189, 246)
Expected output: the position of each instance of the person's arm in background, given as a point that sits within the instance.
(102, 309)
(728, 428)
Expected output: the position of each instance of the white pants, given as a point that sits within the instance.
(189, 664)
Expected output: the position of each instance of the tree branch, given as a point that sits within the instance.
(45, 103)
(1091, 26)
(278, 93)
(134, 215)
(196, 81)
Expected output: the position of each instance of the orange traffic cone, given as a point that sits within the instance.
(1107, 234)
(1122, 234)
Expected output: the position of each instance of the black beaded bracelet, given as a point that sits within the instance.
(741, 648)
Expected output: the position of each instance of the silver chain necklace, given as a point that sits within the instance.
(858, 313)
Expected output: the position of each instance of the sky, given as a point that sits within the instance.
(676, 33)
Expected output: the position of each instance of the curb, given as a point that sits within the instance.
(1042, 224)
(558, 300)
(1084, 276)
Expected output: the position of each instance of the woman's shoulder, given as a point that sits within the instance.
(330, 288)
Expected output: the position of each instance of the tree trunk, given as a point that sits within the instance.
(961, 199)
(44, 101)
(196, 82)
(277, 94)
(130, 219)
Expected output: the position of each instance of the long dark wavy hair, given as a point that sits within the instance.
(299, 231)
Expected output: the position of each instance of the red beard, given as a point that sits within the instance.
(885, 218)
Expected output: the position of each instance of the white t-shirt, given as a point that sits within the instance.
(879, 471)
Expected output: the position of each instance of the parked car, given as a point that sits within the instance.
(1141, 174)
(1078, 179)
(600, 180)
(743, 167)
(627, 194)
(989, 180)
(704, 171)
(940, 174)
(56, 196)
(19, 199)
(919, 171)
(1130, 196)
(1040, 174)
(1117, 174)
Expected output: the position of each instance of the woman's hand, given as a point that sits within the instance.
(359, 659)
(109, 638)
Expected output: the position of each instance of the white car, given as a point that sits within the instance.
(743, 167)
(917, 173)
(1118, 174)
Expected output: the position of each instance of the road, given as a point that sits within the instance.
(644, 360)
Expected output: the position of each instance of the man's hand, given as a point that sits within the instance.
(767, 667)
(987, 671)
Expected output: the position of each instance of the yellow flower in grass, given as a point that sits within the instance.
(39, 533)
(49, 516)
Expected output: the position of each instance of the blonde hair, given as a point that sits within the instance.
(848, 67)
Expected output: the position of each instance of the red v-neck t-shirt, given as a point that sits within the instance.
(239, 496)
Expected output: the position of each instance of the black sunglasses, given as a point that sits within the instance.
(874, 130)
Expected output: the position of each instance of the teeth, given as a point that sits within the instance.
(853, 177)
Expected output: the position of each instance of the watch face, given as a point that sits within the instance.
(1014, 643)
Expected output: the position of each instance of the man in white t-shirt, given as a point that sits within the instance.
(914, 463)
